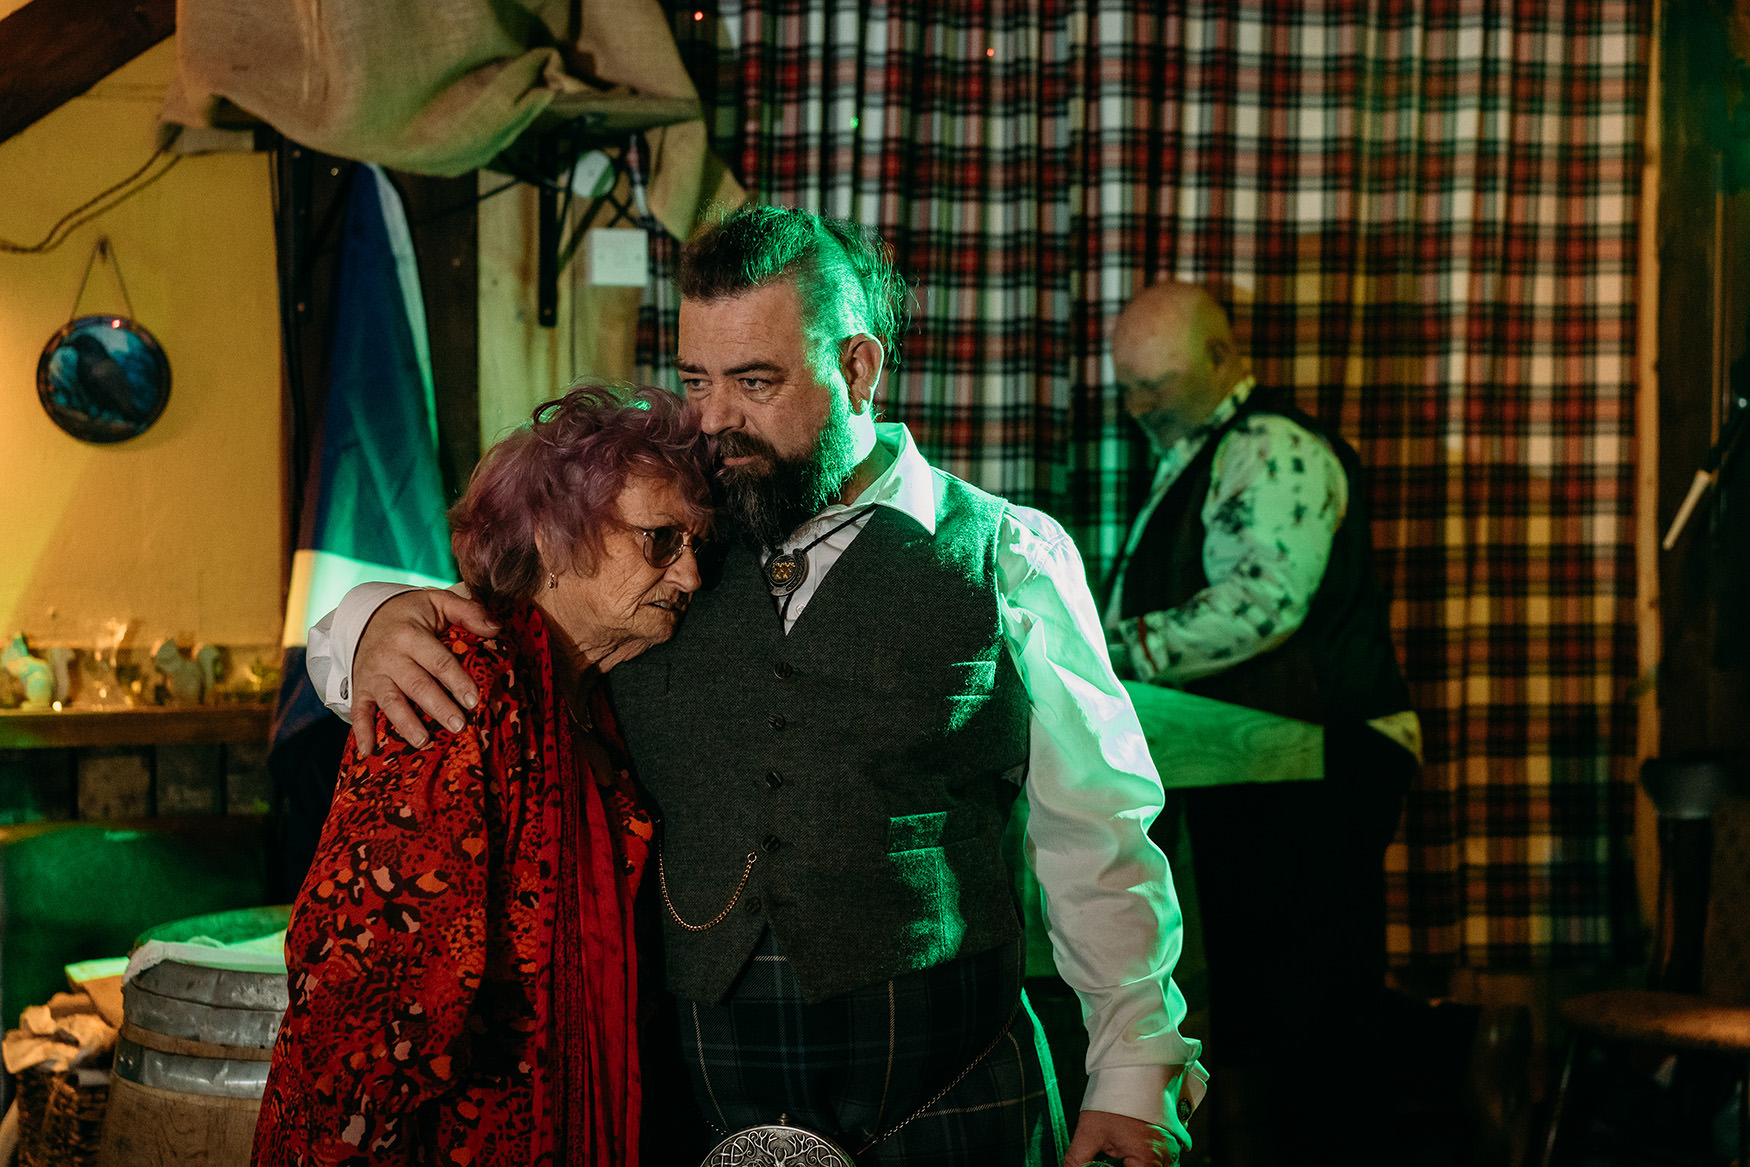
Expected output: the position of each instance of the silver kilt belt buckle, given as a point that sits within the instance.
(777, 1145)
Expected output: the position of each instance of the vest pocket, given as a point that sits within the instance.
(912, 832)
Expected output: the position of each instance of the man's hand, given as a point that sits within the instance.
(1121, 1138)
(400, 668)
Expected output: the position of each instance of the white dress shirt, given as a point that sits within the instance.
(1091, 787)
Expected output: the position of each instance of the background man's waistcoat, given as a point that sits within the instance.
(1339, 666)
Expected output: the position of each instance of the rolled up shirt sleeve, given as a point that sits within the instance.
(1092, 792)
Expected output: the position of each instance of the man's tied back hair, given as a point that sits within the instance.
(842, 270)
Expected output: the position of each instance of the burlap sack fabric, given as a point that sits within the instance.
(443, 86)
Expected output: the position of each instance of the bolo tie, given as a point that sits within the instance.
(785, 572)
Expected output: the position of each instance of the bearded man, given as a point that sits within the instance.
(836, 737)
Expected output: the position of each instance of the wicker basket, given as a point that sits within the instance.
(60, 1117)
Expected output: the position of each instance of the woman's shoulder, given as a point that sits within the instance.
(500, 668)
(479, 652)
(496, 663)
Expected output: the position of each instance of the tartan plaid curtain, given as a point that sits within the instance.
(1424, 216)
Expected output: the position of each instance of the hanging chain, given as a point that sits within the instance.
(735, 897)
(958, 1078)
(102, 250)
(662, 878)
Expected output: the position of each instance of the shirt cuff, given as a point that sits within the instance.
(1166, 1096)
(335, 638)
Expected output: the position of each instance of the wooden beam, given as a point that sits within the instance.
(1703, 302)
(443, 217)
(54, 50)
(1649, 613)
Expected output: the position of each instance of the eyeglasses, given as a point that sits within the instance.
(663, 545)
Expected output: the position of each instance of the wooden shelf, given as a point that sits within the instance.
(169, 725)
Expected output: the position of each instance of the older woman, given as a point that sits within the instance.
(463, 980)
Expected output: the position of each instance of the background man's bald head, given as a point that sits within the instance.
(1175, 357)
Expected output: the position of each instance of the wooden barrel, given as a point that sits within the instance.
(197, 1034)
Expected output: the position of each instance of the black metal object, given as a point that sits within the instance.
(1684, 791)
(547, 246)
(556, 155)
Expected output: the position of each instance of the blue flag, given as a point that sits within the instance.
(377, 495)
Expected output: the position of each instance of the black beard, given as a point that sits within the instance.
(770, 502)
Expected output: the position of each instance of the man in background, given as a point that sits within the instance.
(1248, 578)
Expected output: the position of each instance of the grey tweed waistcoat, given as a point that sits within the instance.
(867, 758)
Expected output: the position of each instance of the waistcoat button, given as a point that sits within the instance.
(776, 721)
(751, 903)
(783, 670)
(774, 780)
(770, 842)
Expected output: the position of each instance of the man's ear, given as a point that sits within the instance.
(861, 364)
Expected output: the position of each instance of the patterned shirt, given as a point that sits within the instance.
(1276, 497)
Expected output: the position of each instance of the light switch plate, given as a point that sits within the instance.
(616, 257)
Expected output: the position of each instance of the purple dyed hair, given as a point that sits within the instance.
(561, 476)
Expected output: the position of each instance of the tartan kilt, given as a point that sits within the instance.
(855, 1066)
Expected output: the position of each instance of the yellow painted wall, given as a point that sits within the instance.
(178, 531)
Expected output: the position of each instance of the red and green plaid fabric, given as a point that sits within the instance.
(1424, 216)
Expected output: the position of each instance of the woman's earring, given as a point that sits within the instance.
(552, 581)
